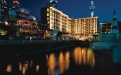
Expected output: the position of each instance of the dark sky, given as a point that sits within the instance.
(78, 8)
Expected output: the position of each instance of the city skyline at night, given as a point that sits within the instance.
(77, 9)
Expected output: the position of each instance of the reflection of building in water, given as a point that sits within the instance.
(20, 66)
(37, 68)
(9, 68)
(67, 60)
(62, 63)
(51, 64)
(84, 56)
(90, 58)
(23, 67)
(78, 55)
(23, 70)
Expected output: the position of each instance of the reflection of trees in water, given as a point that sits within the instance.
(84, 56)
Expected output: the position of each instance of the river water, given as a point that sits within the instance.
(68, 61)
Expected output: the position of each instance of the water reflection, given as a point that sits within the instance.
(57, 62)
(67, 60)
(84, 56)
(51, 62)
(9, 68)
(23, 67)
(61, 63)
(31, 63)
(20, 66)
(90, 58)
(37, 68)
(78, 55)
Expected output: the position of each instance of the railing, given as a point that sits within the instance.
(12, 42)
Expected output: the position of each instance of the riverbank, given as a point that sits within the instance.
(14, 49)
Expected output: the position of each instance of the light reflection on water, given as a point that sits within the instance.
(84, 56)
(61, 62)
(78, 55)
(58, 63)
(51, 63)
(20, 66)
(81, 56)
(9, 68)
(67, 60)
(37, 68)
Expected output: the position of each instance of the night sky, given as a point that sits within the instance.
(77, 8)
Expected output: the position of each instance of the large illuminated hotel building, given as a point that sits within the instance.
(57, 20)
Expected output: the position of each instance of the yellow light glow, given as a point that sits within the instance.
(67, 60)
(90, 58)
(37, 67)
(51, 64)
(61, 63)
(20, 66)
(78, 55)
(9, 68)
(84, 56)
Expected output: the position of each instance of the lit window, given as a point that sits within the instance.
(47, 14)
(48, 22)
(47, 9)
(48, 18)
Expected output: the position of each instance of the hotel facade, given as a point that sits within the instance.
(57, 20)
(86, 26)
